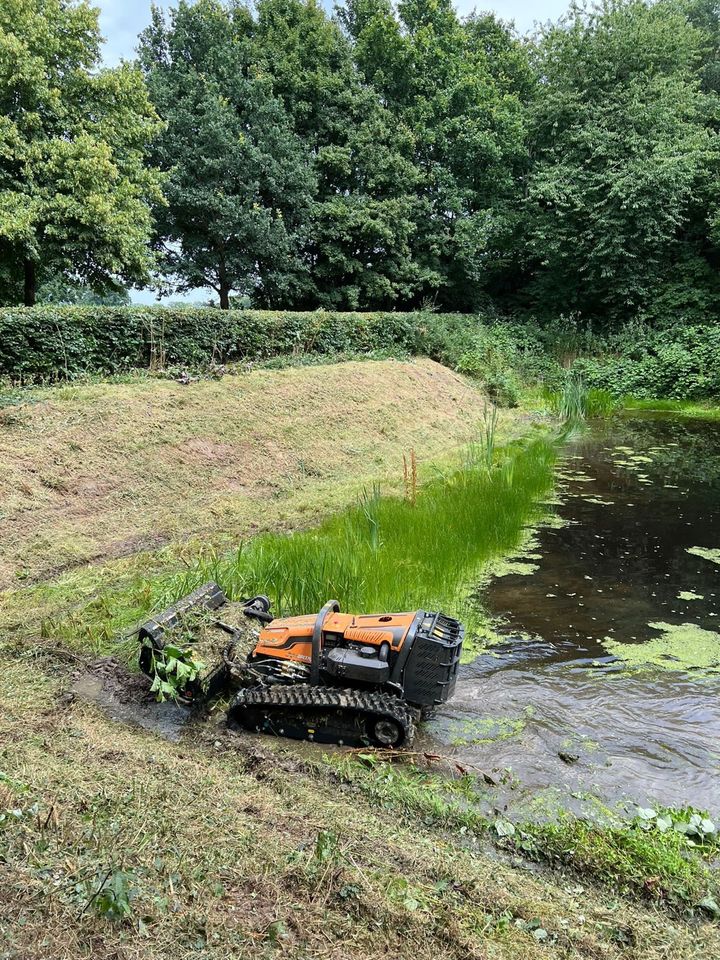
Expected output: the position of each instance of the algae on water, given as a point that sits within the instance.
(690, 595)
(474, 731)
(707, 553)
(503, 568)
(680, 647)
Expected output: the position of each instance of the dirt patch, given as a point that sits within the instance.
(125, 696)
(111, 468)
(199, 450)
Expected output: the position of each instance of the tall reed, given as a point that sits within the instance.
(391, 553)
(576, 402)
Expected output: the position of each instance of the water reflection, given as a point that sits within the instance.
(638, 492)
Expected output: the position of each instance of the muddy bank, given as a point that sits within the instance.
(125, 696)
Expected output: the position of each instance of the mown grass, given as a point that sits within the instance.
(116, 842)
(425, 549)
(95, 472)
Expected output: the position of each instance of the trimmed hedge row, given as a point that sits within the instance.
(51, 343)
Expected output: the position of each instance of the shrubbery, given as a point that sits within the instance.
(50, 343)
(675, 361)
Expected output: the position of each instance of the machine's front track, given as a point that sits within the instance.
(325, 714)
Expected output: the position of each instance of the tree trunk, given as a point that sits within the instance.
(224, 296)
(29, 299)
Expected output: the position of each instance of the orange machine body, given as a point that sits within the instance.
(291, 638)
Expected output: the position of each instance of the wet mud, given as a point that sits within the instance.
(125, 696)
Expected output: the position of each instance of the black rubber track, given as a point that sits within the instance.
(322, 714)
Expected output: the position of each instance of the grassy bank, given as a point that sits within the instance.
(646, 855)
(426, 548)
(95, 472)
(117, 842)
(686, 408)
(109, 487)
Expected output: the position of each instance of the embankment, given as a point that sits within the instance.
(105, 470)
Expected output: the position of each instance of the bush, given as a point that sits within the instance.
(672, 361)
(51, 342)
(501, 385)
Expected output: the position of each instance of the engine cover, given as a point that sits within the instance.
(359, 664)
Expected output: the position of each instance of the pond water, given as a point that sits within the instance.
(606, 678)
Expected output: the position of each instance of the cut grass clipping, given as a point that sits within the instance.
(385, 554)
(390, 553)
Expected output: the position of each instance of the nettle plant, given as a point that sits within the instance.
(173, 669)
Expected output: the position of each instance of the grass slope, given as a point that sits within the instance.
(115, 842)
(142, 477)
(103, 470)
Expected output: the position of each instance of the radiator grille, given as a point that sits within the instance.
(431, 670)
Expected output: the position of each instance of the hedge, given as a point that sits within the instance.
(50, 343)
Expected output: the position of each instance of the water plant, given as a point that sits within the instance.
(679, 646)
(391, 553)
(577, 402)
(173, 669)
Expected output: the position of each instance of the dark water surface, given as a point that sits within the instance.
(552, 701)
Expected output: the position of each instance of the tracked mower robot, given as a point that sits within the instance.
(330, 677)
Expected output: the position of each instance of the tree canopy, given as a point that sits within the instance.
(75, 189)
(385, 156)
(623, 151)
(239, 184)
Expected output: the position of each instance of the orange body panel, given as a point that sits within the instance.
(291, 638)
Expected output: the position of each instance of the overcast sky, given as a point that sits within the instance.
(122, 20)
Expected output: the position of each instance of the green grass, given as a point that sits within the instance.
(576, 402)
(386, 553)
(633, 856)
(687, 408)
(415, 794)
(630, 856)
(391, 553)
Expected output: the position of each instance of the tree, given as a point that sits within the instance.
(458, 87)
(75, 192)
(623, 154)
(239, 185)
(359, 245)
(59, 290)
